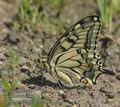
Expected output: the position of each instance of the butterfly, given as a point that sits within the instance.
(75, 54)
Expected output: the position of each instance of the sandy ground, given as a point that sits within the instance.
(106, 93)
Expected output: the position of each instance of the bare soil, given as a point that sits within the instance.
(106, 93)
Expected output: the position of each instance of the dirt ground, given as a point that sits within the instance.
(106, 93)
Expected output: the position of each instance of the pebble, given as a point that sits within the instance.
(68, 98)
(118, 76)
(110, 95)
(104, 90)
(2, 57)
(61, 92)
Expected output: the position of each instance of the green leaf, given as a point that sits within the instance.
(6, 84)
(14, 59)
(37, 102)
(14, 84)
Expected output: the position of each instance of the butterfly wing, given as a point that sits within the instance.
(74, 52)
(82, 34)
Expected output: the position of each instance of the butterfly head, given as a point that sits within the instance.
(44, 64)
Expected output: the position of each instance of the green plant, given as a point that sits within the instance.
(39, 15)
(47, 4)
(9, 80)
(28, 13)
(38, 101)
(108, 8)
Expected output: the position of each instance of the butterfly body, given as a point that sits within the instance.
(74, 53)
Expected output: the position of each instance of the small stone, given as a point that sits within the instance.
(118, 76)
(107, 88)
(110, 95)
(24, 68)
(119, 91)
(32, 86)
(2, 57)
(74, 105)
(104, 90)
(67, 98)
(61, 92)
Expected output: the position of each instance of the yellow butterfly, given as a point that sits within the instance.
(74, 54)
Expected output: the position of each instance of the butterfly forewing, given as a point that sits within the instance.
(83, 34)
